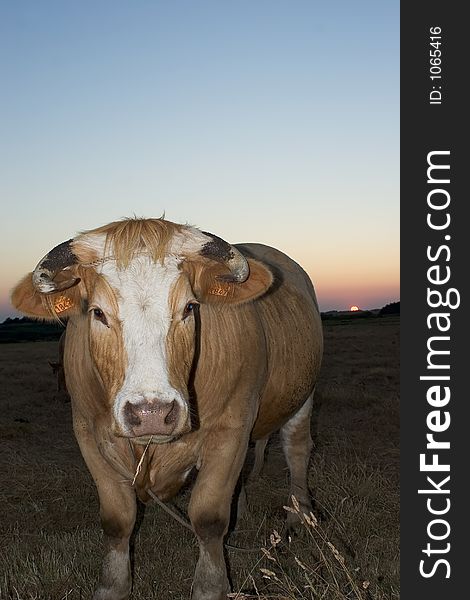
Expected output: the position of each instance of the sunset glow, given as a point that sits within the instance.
(151, 109)
(354, 308)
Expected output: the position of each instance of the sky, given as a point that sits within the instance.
(271, 121)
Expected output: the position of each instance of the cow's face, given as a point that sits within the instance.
(142, 340)
(140, 316)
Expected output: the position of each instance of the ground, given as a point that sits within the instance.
(50, 535)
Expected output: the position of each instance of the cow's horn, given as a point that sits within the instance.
(221, 251)
(58, 259)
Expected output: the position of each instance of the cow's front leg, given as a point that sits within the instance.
(117, 511)
(118, 508)
(209, 510)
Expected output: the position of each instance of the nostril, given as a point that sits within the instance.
(131, 414)
(172, 414)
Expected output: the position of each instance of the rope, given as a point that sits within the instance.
(186, 523)
(168, 509)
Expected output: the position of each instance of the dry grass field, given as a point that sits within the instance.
(50, 540)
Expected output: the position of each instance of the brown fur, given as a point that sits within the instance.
(246, 360)
(106, 344)
(180, 341)
(209, 286)
(126, 238)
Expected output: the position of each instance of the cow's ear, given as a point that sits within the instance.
(209, 285)
(50, 307)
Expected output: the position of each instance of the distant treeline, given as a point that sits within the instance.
(23, 329)
(389, 309)
(27, 330)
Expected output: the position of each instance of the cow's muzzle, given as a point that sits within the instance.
(155, 417)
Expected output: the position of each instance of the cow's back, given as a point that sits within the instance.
(292, 324)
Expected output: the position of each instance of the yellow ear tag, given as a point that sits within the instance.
(62, 303)
(219, 291)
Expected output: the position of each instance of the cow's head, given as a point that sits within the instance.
(134, 287)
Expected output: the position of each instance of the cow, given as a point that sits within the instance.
(58, 368)
(180, 349)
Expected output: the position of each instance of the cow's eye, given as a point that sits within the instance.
(189, 308)
(100, 316)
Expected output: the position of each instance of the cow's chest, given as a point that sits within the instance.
(166, 468)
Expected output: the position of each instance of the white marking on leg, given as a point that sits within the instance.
(260, 447)
(292, 424)
(297, 452)
(115, 580)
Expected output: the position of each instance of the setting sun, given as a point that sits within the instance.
(354, 308)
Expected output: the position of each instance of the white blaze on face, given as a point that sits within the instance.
(143, 295)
